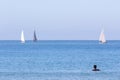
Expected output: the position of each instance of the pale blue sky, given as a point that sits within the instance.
(59, 19)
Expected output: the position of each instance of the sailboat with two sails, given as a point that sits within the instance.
(102, 37)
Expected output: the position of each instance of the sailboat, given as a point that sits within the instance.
(22, 37)
(102, 37)
(34, 36)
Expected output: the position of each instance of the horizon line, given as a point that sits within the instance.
(59, 40)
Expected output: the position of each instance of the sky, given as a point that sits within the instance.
(59, 19)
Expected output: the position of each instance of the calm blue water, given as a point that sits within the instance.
(59, 60)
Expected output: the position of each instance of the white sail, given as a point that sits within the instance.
(102, 37)
(22, 37)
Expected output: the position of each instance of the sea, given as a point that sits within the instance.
(59, 60)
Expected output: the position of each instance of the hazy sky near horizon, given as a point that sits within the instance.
(59, 19)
